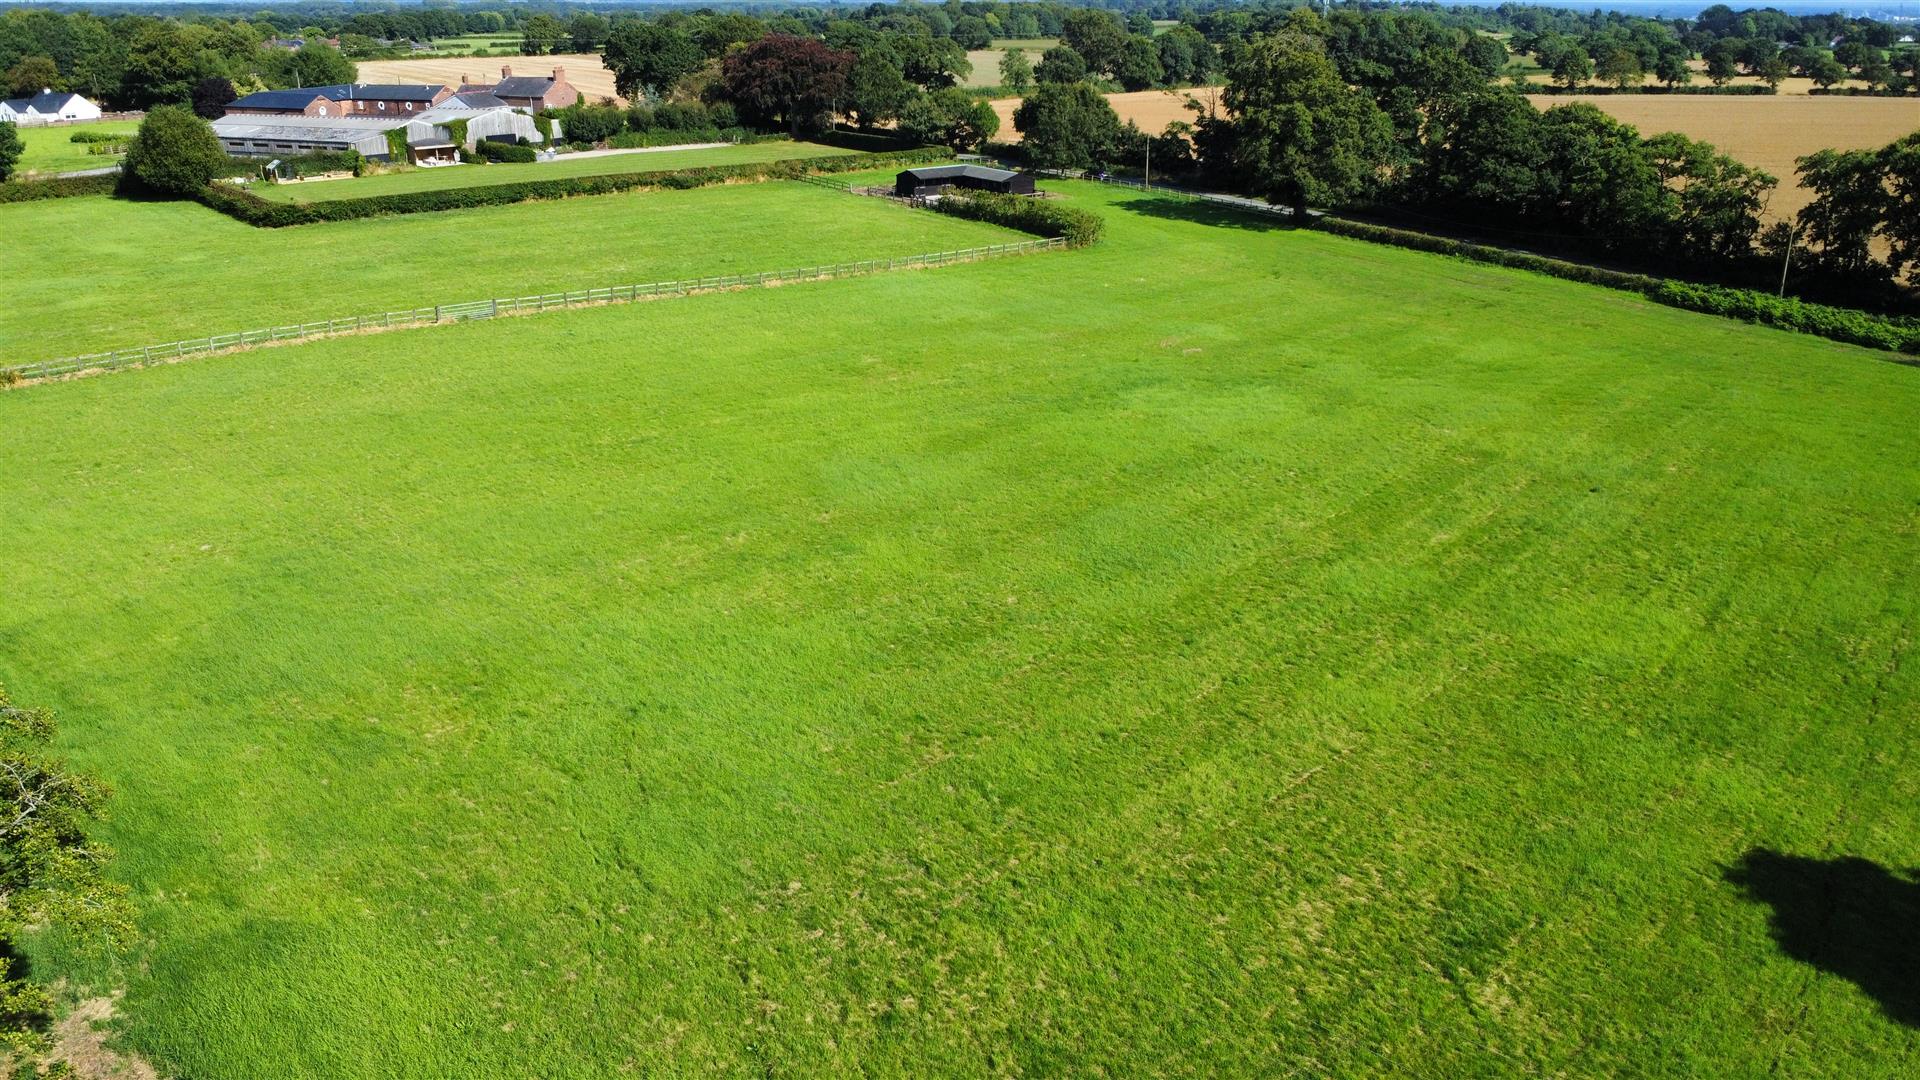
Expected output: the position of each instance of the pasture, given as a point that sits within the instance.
(1765, 132)
(240, 277)
(48, 150)
(584, 70)
(1039, 667)
(441, 178)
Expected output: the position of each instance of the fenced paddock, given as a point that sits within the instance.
(494, 307)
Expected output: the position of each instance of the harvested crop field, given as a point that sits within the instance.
(584, 71)
(1768, 132)
(1153, 110)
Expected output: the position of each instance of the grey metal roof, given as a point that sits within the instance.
(307, 128)
(474, 101)
(950, 172)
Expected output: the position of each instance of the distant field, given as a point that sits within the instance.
(455, 176)
(93, 273)
(1226, 651)
(986, 62)
(1765, 132)
(52, 149)
(584, 70)
(493, 43)
(1153, 110)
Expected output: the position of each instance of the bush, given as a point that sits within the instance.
(678, 116)
(1038, 216)
(254, 210)
(1838, 324)
(97, 137)
(324, 161)
(494, 150)
(175, 153)
(1788, 313)
(30, 190)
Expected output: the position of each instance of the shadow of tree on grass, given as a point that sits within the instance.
(1848, 916)
(1204, 213)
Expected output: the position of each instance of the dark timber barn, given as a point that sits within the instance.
(934, 179)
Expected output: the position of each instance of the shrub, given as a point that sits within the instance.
(175, 152)
(254, 210)
(1038, 216)
(84, 136)
(30, 190)
(10, 149)
(324, 161)
(494, 150)
(679, 116)
(1838, 324)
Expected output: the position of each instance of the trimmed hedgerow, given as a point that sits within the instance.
(255, 210)
(1835, 323)
(1788, 313)
(30, 190)
(495, 150)
(1038, 216)
(864, 141)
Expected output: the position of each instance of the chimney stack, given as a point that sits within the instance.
(506, 72)
(559, 73)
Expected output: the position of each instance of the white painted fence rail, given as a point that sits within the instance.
(507, 305)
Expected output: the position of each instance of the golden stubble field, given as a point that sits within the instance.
(584, 71)
(1153, 110)
(1766, 132)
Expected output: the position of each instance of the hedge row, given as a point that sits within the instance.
(495, 150)
(1042, 217)
(1856, 91)
(254, 210)
(1743, 90)
(1788, 313)
(635, 140)
(1838, 324)
(30, 190)
(870, 142)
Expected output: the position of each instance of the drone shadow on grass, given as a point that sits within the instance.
(1851, 917)
(1202, 213)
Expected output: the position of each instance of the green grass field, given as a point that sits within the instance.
(50, 150)
(444, 177)
(1222, 651)
(139, 259)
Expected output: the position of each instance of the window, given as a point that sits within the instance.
(409, 106)
(383, 106)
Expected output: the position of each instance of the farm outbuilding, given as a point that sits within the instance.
(934, 179)
(256, 135)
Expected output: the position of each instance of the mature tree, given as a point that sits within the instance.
(1186, 56)
(972, 32)
(1139, 65)
(1067, 125)
(51, 873)
(1855, 55)
(1305, 136)
(318, 64)
(1096, 35)
(1850, 203)
(211, 95)
(1827, 72)
(786, 79)
(1573, 67)
(1723, 61)
(876, 90)
(950, 117)
(648, 57)
(32, 75)
(1485, 53)
(543, 34)
(1900, 162)
(1139, 22)
(718, 33)
(174, 152)
(1621, 68)
(10, 149)
(586, 31)
(1714, 202)
(1773, 71)
(1061, 64)
(1016, 71)
(930, 62)
(1484, 151)
(161, 67)
(1671, 67)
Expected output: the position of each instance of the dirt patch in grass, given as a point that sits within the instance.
(80, 1040)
